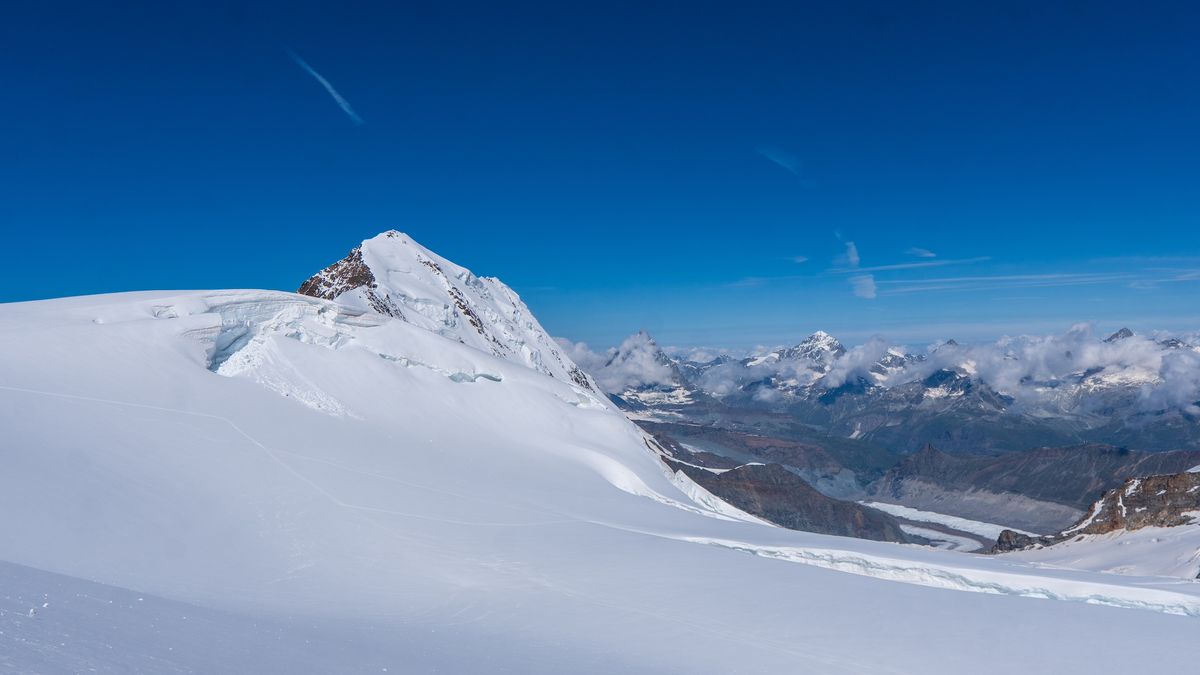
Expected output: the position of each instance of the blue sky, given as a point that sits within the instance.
(696, 170)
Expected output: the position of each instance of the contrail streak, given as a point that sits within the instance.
(342, 102)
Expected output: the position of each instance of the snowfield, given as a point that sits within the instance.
(259, 481)
(1150, 551)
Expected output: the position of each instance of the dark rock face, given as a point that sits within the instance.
(1015, 541)
(1167, 500)
(345, 275)
(773, 493)
(580, 378)
(1119, 335)
(837, 467)
(1073, 476)
(1155, 501)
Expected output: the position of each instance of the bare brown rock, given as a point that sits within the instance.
(345, 275)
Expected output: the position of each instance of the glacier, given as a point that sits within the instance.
(259, 480)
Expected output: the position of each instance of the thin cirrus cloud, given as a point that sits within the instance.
(749, 282)
(854, 268)
(992, 282)
(921, 252)
(338, 98)
(787, 161)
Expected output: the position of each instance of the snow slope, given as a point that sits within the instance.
(308, 482)
(1150, 551)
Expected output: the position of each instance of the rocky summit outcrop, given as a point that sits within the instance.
(1169, 500)
(1010, 540)
(346, 275)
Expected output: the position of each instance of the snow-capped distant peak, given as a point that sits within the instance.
(821, 339)
(393, 275)
(1122, 334)
(820, 347)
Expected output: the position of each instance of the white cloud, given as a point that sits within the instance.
(921, 252)
(787, 160)
(799, 259)
(635, 363)
(1038, 371)
(852, 258)
(864, 286)
(1033, 369)
(856, 363)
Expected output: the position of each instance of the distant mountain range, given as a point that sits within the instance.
(1018, 393)
(1026, 432)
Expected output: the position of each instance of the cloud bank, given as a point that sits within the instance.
(634, 363)
(1064, 372)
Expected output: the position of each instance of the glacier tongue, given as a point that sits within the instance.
(393, 275)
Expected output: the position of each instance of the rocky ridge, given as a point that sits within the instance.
(1168, 500)
(776, 494)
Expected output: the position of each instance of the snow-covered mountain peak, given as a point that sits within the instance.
(1122, 334)
(820, 347)
(393, 275)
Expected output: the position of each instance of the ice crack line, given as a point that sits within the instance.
(996, 582)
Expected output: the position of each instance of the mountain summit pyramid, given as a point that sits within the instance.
(392, 274)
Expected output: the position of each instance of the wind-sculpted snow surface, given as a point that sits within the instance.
(356, 492)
